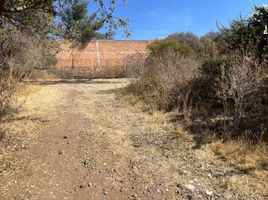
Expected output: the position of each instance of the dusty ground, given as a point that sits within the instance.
(78, 140)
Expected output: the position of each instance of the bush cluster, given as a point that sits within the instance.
(221, 90)
(20, 56)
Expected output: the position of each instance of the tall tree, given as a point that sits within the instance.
(35, 15)
(77, 25)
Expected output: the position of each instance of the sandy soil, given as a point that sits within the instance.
(78, 140)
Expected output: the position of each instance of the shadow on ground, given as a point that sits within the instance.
(71, 81)
(28, 117)
(111, 91)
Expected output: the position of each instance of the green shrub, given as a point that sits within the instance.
(187, 38)
(212, 67)
(160, 47)
(248, 34)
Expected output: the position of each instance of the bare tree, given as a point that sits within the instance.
(170, 77)
(238, 86)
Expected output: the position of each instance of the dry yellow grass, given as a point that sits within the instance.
(26, 90)
(252, 160)
(245, 157)
(35, 105)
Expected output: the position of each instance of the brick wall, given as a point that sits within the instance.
(98, 56)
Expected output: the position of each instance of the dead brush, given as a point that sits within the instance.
(134, 65)
(19, 55)
(238, 90)
(7, 92)
(165, 78)
(231, 104)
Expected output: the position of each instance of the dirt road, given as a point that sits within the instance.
(78, 140)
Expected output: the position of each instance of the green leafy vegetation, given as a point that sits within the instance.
(159, 47)
(77, 25)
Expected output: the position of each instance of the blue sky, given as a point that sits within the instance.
(151, 19)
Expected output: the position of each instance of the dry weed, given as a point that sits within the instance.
(245, 157)
(250, 160)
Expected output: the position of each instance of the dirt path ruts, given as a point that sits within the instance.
(93, 146)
